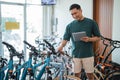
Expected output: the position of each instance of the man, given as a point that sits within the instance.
(82, 50)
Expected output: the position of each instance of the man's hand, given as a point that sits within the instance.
(60, 48)
(85, 39)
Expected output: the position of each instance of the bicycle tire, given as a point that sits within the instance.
(114, 75)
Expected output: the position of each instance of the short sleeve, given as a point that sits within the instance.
(67, 33)
(96, 31)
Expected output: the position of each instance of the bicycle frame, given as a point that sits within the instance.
(27, 66)
(46, 63)
(3, 62)
(10, 63)
(101, 57)
(17, 72)
(61, 69)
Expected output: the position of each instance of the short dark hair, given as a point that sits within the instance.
(77, 6)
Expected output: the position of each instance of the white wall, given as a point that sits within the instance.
(116, 30)
(64, 16)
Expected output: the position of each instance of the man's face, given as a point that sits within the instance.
(76, 13)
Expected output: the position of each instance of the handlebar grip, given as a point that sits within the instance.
(115, 41)
(50, 46)
(11, 49)
(116, 44)
(27, 43)
(104, 38)
(108, 39)
(4, 59)
(47, 43)
(32, 48)
(7, 44)
(10, 46)
(111, 42)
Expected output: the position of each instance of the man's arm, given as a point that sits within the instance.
(63, 43)
(94, 39)
(91, 39)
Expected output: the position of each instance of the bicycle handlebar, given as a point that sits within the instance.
(104, 38)
(107, 39)
(50, 46)
(114, 43)
(12, 50)
(28, 43)
(47, 43)
(8, 45)
(2, 62)
(3, 59)
(32, 48)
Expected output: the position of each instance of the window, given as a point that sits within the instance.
(28, 17)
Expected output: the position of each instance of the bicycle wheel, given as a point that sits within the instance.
(114, 75)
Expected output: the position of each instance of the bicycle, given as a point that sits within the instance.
(104, 67)
(3, 62)
(98, 74)
(10, 66)
(28, 66)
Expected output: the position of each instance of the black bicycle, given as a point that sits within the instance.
(105, 69)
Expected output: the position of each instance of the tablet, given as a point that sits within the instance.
(78, 35)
